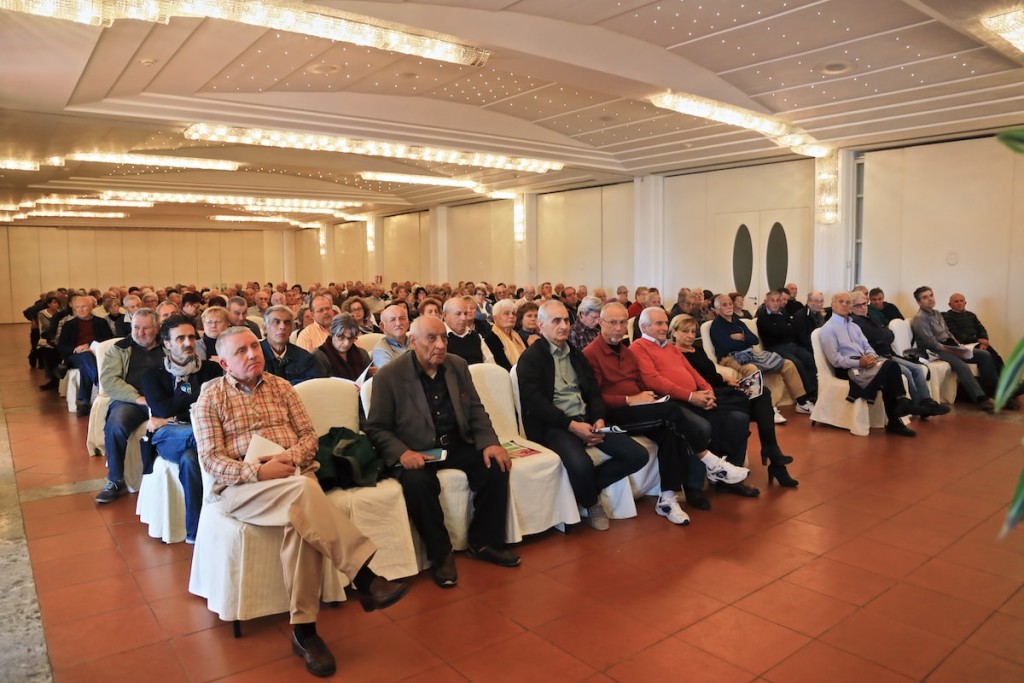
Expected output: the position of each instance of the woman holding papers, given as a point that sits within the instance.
(750, 391)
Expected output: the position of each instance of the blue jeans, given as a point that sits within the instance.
(587, 481)
(917, 380)
(122, 419)
(176, 443)
(88, 374)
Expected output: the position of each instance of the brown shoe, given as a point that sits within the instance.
(382, 593)
(444, 572)
(319, 660)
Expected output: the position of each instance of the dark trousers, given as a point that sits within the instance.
(729, 431)
(764, 417)
(891, 386)
(985, 383)
(678, 465)
(123, 418)
(625, 457)
(490, 501)
(804, 362)
(88, 374)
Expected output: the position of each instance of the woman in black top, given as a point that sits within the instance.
(682, 331)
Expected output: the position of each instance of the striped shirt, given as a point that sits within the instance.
(228, 414)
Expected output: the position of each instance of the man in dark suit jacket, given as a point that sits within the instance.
(284, 359)
(73, 344)
(424, 407)
(562, 409)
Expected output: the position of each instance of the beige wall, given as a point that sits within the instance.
(702, 212)
(404, 245)
(34, 260)
(951, 217)
(585, 236)
(480, 242)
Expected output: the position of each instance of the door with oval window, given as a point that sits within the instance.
(756, 251)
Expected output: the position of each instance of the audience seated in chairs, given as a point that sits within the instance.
(73, 345)
(505, 344)
(424, 405)
(463, 339)
(170, 391)
(777, 332)
(395, 342)
(313, 335)
(282, 489)
(587, 326)
(526, 322)
(215, 321)
(124, 366)
(848, 351)
(339, 355)
(282, 358)
(360, 311)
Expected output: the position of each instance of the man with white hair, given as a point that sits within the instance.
(563, 409)
(809, 318)
(394, 322)
(463, 339)
(123, 324)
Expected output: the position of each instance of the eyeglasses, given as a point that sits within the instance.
(863, 303)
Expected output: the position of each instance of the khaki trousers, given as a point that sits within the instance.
(790, 375)
(314, 530)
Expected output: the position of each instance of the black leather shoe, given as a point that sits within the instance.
(502, 558)
(904, 407)
(935, 408)
(695, 499)
(382, 593)
(319, 660)
(737, 489)
(444, 572)
(897, 428)
(52, 385)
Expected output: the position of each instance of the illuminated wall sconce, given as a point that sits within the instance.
(826, 189)
(519, 219)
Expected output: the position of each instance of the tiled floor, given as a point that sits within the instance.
(882, 566)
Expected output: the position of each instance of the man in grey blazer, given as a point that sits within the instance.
(424, 407)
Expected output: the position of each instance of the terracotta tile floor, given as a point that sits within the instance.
(884, 566)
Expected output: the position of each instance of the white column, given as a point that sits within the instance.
(524, 226)
(649, 231)
(438, 245)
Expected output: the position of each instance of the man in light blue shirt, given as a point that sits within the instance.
(848, 351)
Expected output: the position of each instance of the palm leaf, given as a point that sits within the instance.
(1014, 139)
(1016, 513)
(1009, 378)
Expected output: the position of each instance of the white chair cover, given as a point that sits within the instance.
(161, 502)
(68, 388)
(616, 499)
(832, 407)
(378, 511)
(98, 412)
(942, 379)
(773, 380)
(367, 342)
(257, 320)
(540, 496)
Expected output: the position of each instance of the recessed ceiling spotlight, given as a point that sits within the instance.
(835, 68)
(148, 61)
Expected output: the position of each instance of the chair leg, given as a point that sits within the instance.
(236, 628)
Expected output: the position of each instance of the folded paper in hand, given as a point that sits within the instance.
(260, 447)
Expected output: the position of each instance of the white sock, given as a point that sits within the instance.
(669, 495)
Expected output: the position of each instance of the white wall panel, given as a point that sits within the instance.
(307, 256)
(403, 242)
(480, 242)
(233, 267)
(109, 260)
(616, 237)
(161, 257)
(569, 237)
(952, 213)
(208, 258)
(184, 257)
(350, 252)
(688, 244)
(10, 308)
(25, 274)
(53, 258)
(279, 255)
(135, 257)
(82, 263)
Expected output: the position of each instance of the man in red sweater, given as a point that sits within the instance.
(678, 433)
(666, 372)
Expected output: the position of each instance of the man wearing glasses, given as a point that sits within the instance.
(284, 359)
(170, 391)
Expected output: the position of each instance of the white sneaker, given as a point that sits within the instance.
(805, 408)
(596, 517)
(668, 506)
(722, 470)
(779, 418)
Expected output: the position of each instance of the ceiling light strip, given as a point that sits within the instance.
(403, 178)
(75, 214)
(153, 160)
(94, 201)
(375, 148)
(19, 165)
(279, 16)
(271, 203)
(1009, 26)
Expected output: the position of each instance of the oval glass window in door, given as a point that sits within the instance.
(742, 260)
(776, 257)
